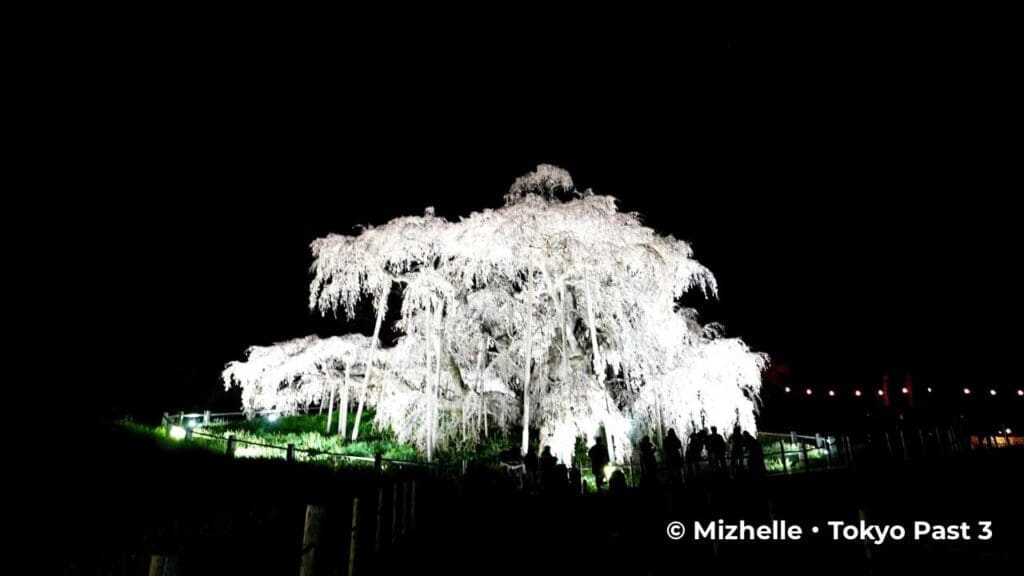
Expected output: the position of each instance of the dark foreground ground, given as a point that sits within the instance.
(123, 499)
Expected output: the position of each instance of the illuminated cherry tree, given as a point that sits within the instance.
(555, 313)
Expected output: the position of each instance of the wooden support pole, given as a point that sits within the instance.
(412, 512)
(161, 565)
(352, 538)
(311, 539)
(405, 508)
(394, 512)
(380, 520)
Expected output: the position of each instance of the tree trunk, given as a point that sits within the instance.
(330, 406)
(596, 350)
(528, 360)
(343, 404)
(609, 439)
(429, 385)
(436, 388)
(599, 366)
(480, 384)
(565, 337)
(369, 358)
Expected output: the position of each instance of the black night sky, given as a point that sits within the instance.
(859, 213)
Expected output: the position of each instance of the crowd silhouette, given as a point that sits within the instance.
(707, 453)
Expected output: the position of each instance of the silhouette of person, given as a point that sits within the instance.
(648, 462)
(598, 460)
(547, 468)
(617, 484)
(575, 480)
(736, 449)
(672, 447)
(530, 461)
(716, 449)
(693, 450)
(558, 479)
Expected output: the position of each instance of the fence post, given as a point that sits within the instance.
(412, 512)
(807, 460)
(782, 454)
(377, 462)
(863, 514)
(405, 508)
(160, 565)
(231, 446)
(206, 417)
(394, 512)
(311, 539)
(380, 519)
(352, 538)
(291, 453)
(188, 434)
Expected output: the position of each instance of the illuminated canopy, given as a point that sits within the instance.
(555, 312)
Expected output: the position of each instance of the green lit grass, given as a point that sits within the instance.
(308, 432)
(262, 438)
